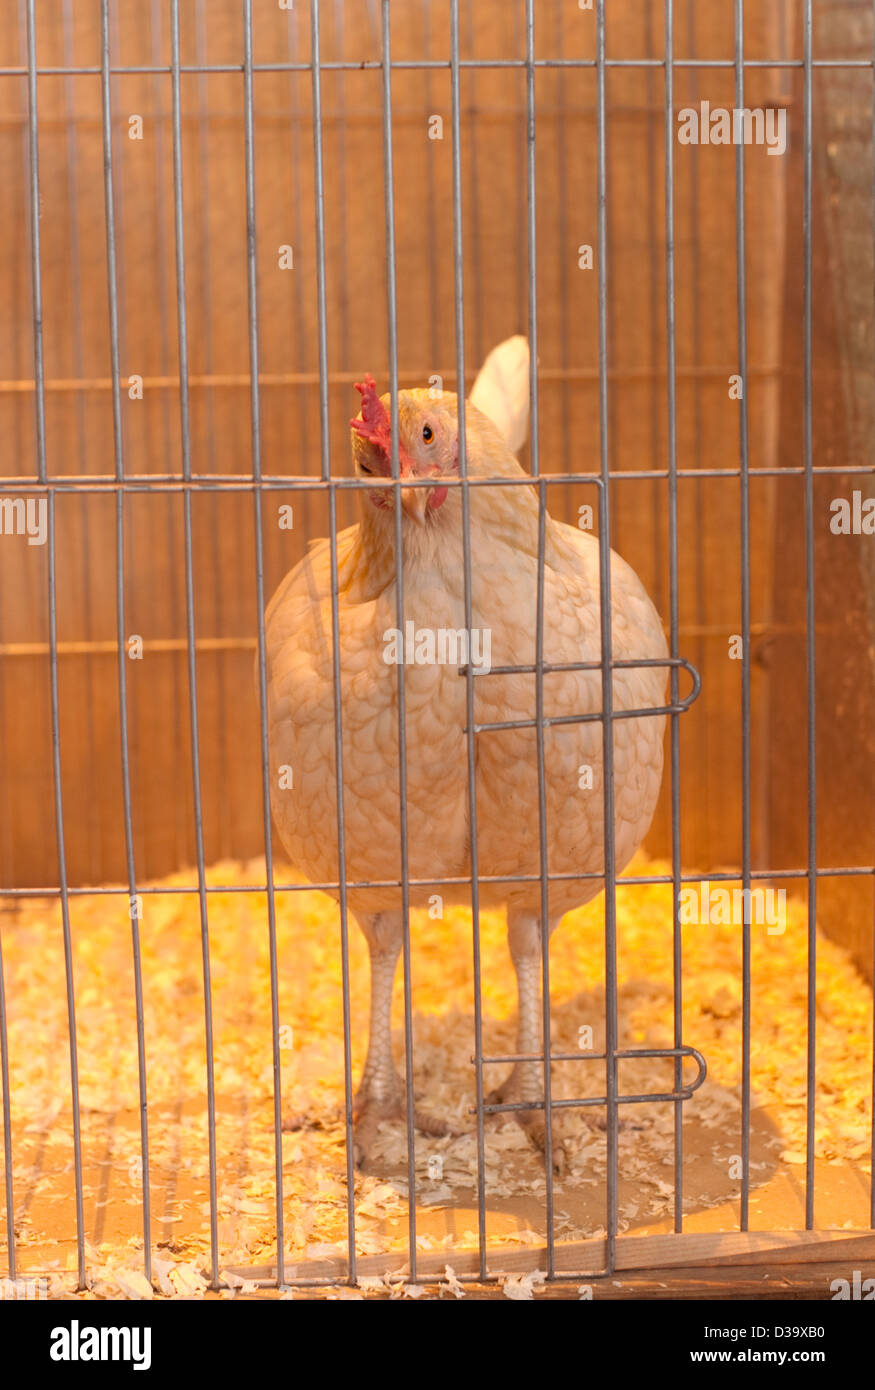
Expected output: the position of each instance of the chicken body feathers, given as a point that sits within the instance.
(504, 550)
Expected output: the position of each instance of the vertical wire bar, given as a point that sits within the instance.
(11, 1250)
(112, 294)
(185, 434)
(65, 903)
(612, 338)
(808, 460)
(431, 213)
(7, 1128)
(744, 487)
(458, 269)
(164, 354)
(205, 260)
(477, 279)
(697, 347)
(392, 305)
(342, 189)
(520, 207)
(298, 310)
(203, 84)
(674, 726)
(872, 1101)
(652, 387)
(531, 227)
(255, 421)
(40, 401)
(611, 1003)
(75, 281)
(325, 441)
(565, 298)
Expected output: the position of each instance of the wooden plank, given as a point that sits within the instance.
(642, 1253)
(775, 1283)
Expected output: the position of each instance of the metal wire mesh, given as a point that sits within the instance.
(189, 482)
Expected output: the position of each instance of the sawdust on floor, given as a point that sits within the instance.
(311, 1039)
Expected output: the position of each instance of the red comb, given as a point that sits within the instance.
(374, 422)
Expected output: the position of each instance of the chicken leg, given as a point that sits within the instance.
(381, 1093)
(526, 1080)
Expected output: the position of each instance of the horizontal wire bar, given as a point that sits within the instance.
(562, 1276)
(552, 666)
(540, 722)
(279, 115)
(158, 645)
(693, 371)
(205, 482)
(636, 880)
(110, 648)
(620, 1055)
(685, 1093)
(424, 65)
(595, 717)
(626, 1055)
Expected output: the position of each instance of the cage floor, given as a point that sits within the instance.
(314, 1165)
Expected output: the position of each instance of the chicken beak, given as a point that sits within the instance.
(414, 500)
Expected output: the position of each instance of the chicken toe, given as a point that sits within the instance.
(524, 1084)
(369, 1113)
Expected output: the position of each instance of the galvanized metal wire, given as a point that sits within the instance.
(112, 291)
(185, 437)
(120, 483)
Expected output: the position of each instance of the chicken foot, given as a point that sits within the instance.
(381, 1094)
(526, 1080)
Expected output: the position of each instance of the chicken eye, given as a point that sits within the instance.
(365, 469)
(427, 433)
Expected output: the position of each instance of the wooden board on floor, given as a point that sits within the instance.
(634, 1253)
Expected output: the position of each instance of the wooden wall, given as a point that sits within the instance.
(78, 401)
(844, 565)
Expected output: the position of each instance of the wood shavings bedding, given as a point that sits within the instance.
(311, 1039)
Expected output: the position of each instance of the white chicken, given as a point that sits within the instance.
(504, 557)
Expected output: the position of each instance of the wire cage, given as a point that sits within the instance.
(230, 212)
